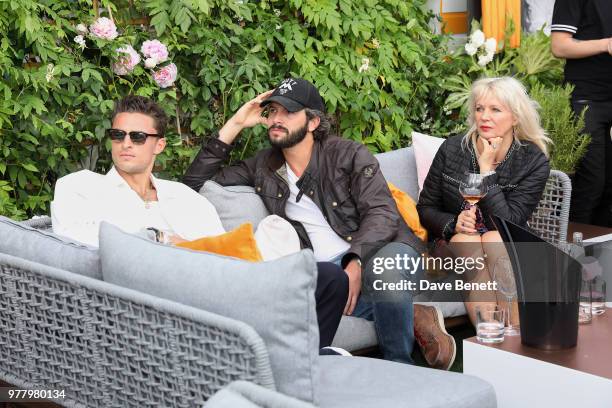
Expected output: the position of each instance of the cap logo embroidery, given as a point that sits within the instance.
(286, 86)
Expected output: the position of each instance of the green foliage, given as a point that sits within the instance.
(56, 99)
(380, 69)
(563, 127)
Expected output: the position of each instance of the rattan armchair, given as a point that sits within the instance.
(105, 345)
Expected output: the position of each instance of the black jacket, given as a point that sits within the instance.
(343, 178)
(512, 192)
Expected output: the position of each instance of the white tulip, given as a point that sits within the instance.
(477, 38)
(470, 49)
(483, 60)
(491, 45)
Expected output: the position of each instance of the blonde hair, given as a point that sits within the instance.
(513, 95)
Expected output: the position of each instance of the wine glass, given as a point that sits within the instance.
(502, 274)
(473, 188)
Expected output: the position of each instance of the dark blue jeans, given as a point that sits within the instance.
(393, 317)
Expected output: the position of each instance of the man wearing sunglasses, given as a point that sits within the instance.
(333, 192)
(130, 197)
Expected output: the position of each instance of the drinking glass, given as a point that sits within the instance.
(472, 188)
(502, 274)
(489, 324)
(598, 296)
(585, 314)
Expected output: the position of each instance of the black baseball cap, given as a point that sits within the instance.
(296, 94)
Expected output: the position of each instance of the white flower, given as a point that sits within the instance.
(375, 43)
(278, 26)
(277, 12)
(150, 63)
(470, 49)
(491, 45)
(365, 65)
(485, 59)
(50, 72)
(81, 28)
(477, 38)
(80, 40)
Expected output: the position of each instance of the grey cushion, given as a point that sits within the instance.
(48, 248)
(399, 167)
(243, 394)
(276, 298)
(235, 204)
(360, 382)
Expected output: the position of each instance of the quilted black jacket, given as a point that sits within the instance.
(512, 192)
(343, 179)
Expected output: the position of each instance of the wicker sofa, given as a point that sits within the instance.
(65, 325)
(110, 344)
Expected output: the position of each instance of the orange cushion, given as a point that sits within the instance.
(408, 211)
(239, 243)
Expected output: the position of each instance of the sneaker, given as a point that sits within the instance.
(438, 347)
(333, 351)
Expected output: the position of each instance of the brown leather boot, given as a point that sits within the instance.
(438, 347)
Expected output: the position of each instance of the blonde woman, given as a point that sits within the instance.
(506, 144)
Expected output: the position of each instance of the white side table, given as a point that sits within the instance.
(527, 377)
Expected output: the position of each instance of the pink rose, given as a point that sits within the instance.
(104, 28)
(165, 76)
(126, 61)
(154, 49)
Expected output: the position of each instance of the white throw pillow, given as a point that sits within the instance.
(425, 149)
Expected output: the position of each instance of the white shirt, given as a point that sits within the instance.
(326, 244)
(84, 199)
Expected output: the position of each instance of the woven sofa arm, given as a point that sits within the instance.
(110, 346)
(550, 217)
(243, 394)
(43, 222)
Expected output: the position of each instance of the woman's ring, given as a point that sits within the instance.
(494, 146)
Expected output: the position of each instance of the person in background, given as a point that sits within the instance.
(581, 33)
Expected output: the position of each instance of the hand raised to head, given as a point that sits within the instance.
(247, 116)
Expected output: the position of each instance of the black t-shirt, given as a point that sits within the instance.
(587, 20)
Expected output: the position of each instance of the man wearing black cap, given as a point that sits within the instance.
(334, 194)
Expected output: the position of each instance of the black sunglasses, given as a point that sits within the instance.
(136, 137)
